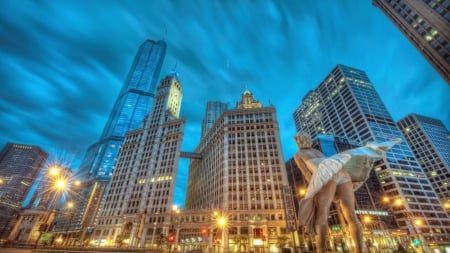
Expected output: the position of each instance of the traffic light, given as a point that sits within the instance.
(171, 238)
(416, 242)
(204, 232)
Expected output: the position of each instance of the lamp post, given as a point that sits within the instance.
(70, 206)
(173, 233)
(413, 224)
(57, 185)
(221, 221)
(301, 194)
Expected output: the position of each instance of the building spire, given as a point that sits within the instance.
(248, 100)
(173, 72)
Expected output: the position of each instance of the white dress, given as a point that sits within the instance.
(357, 162)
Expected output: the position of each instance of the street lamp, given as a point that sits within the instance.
(221, 221)
(70, 206)
(173, 233)
(367, 220)
(57, 185)
(413, 224)
(301, 192)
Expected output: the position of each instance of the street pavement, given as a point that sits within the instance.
(74, 250)
(15, 250)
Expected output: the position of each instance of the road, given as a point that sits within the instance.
(15, 250)
(74, 250)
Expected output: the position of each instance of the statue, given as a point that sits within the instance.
(336, 177)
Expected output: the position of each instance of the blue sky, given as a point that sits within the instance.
(62, 63)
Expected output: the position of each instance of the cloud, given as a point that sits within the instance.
(63, 63)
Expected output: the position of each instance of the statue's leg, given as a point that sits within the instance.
(324, 198)
(347, 201)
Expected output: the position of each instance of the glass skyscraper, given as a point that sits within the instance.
(130, 109)
(346, 104)
(129, 112)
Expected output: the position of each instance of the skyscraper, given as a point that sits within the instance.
(241, 173)
(19, 167)
(142, 188)
(429, 140)
(213, 111)
(347, 104)
(426, 23)
(130, 109)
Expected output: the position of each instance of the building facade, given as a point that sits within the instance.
(429, 140)
(347, 104)
(241, 173)
(426, 24)
(19, 167)
(138, 203)
(213, 111)
(130, 109)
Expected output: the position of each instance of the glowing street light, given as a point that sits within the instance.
(54, 170)
(77, 183)
(413, 222)
(367, 219)
(302, 192)
(222, 221)
(58, 184)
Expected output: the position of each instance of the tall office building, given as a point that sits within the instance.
(213, 111)
(142, 187)
(426, 23)
(347, 104)
(130, 109)
(429, 140)
(241, 173)
(19, 167)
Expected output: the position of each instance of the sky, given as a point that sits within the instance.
(62, 63)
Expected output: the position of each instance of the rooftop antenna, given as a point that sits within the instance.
(175, 67)
(173, 71)
(165, 33)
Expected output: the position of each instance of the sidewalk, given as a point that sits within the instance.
(15, 250)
